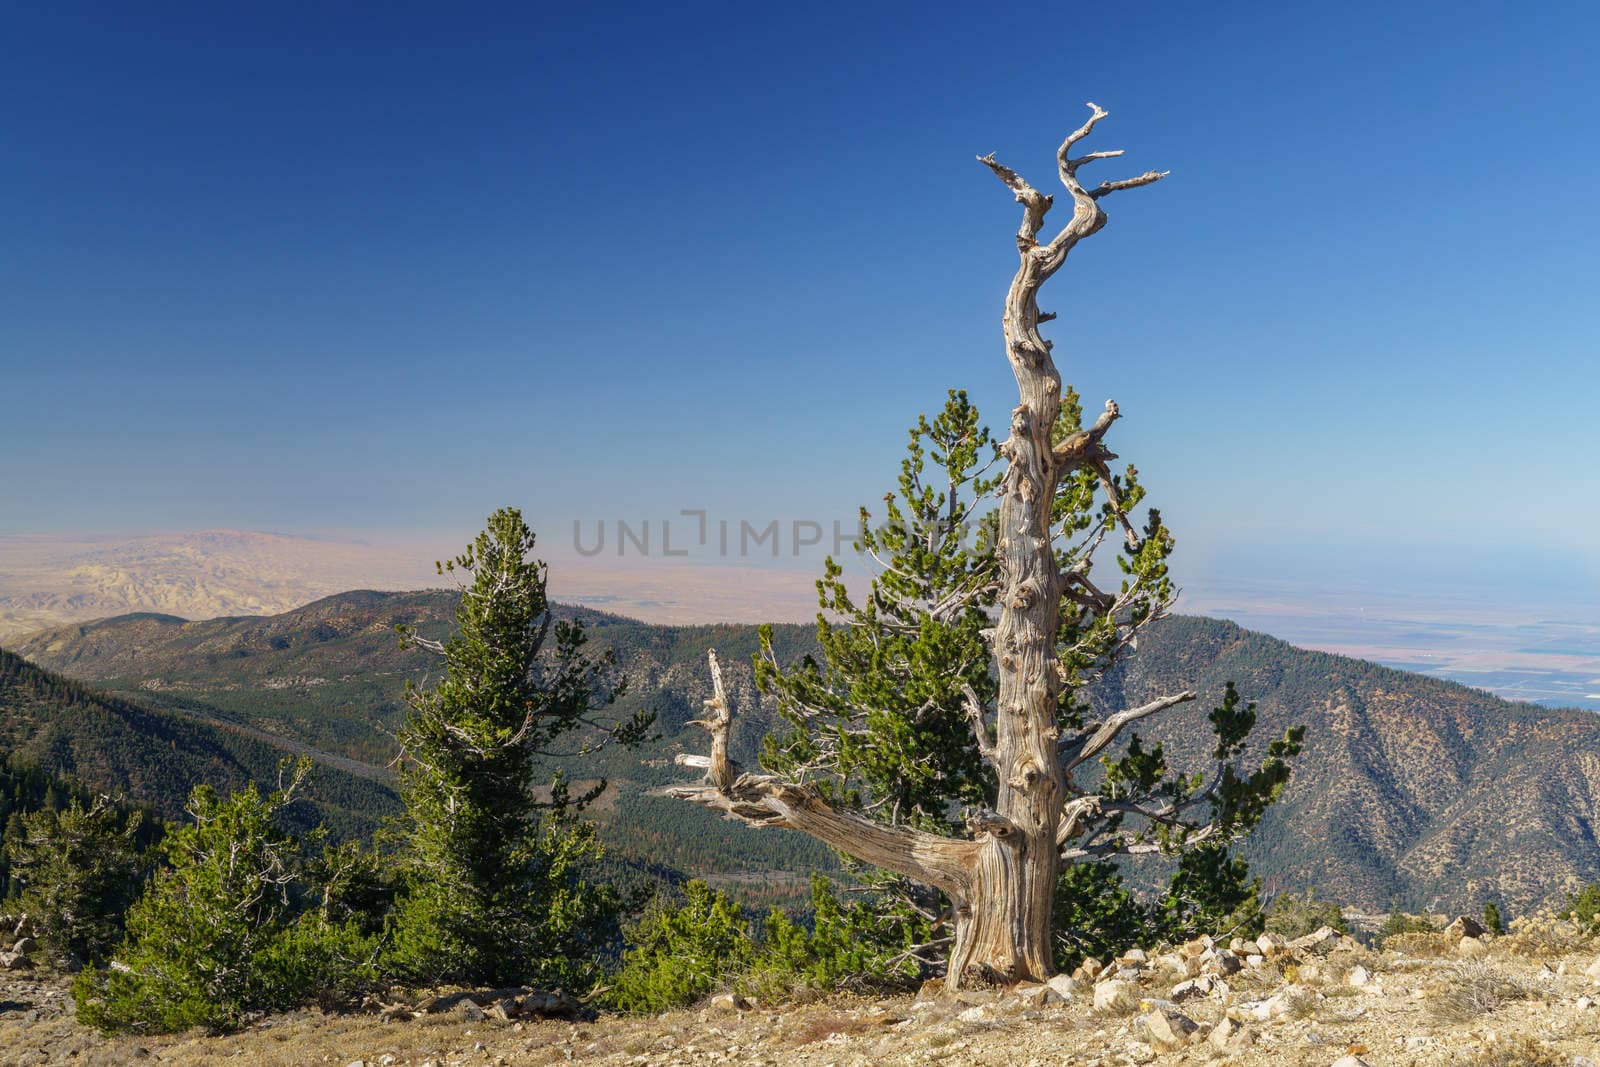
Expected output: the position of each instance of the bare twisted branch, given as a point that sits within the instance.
(766, 800)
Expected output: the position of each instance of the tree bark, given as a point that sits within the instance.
(1003, 926)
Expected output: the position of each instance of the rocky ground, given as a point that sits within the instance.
(1530, 999)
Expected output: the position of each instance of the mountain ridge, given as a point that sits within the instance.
(1413, 790)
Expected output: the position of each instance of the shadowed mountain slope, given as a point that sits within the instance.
(115, 744)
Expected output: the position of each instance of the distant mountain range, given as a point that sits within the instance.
(48, 581)
(1413, 791)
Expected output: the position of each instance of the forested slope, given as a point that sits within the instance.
(154, 757)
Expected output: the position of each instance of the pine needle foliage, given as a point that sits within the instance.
(679, 953)
(79, 868)
(219, 935)
(494, 889)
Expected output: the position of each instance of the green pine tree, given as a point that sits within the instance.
(1096, 914)
(909, 654)
(493, 886)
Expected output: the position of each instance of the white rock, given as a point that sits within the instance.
(1259, 1010)
(1359, 976)
(1062, 988)
(1168, 1029)
(1139, 1052)
(1594, 970)
(1229, 1036)
(1279, 1004)
(1351, 1061)
(1320, 941)
(1114, 994)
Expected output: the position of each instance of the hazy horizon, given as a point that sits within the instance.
(1546, 653)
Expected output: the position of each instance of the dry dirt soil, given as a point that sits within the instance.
(1430, 1004)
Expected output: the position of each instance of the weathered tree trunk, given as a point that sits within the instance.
(1003, 927)
(1003, 881)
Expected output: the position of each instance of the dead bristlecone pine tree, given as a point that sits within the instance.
(1049, 629)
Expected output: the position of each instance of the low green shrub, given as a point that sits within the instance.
(1095, 914)
(680, 954)
(1399, 924)
(80, 869)
(1292, 915)
(218, 935)
(860, 945)
(1210, 892)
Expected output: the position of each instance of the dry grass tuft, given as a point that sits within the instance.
(1475, 989)
(1337, 967)
(1302, 1004)
(1523, 1052)
(1425, 945)
(823, 1026)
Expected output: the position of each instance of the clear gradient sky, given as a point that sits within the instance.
(377, 269)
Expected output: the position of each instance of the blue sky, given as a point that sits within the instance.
(379, 269)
